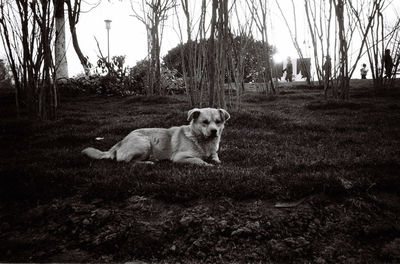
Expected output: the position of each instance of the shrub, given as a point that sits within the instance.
(137, 75)
(5, 78)
(113, 79)
(170, 82)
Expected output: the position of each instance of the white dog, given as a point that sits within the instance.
(196, 143)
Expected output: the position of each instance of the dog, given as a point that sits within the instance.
(196, 143)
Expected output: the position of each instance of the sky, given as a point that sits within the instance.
(128, 34)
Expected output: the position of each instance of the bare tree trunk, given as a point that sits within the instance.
(188, 70)
(223, 32)
(47, 96)
(61, 64)
(154, 12)
(312, 26)
(343, 58)
(237, 54)
(293, 37)
(259, 15)
(73, 18)
(157, 65)
(211, 56)
(267, 52)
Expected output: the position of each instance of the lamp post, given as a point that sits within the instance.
(108, 27)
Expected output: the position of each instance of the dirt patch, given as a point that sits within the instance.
(222, 230)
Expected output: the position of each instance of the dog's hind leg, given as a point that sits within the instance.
(135, 147)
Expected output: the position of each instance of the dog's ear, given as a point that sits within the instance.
(193, 114)
(224, 114)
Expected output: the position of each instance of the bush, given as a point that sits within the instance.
(137, 75)
(98, 84)
(170, 82)
(5, 78)
(114, 79)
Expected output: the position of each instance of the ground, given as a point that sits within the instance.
(301, 180)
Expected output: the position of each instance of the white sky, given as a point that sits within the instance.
(128, 35)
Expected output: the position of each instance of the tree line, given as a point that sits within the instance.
(334, 27)
(216, 39)
(30, 31)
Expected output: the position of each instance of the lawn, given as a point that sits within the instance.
(301, 180)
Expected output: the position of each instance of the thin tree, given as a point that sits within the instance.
(211, 54)
(377, 36)
(154, 14)
(259, 10)
(223, 49)
(191, 53)
(294, 36)
(319, 19)
(74, 10)
(238, 52)
(61, 64)
(27, 31)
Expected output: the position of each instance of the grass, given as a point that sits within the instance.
(286, 147)
(275, 145)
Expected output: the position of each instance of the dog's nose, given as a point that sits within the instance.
(213, 132)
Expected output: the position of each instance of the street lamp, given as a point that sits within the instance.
(108, 27)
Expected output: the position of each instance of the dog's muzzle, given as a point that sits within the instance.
(213, 133)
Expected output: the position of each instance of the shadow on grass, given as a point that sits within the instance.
(152, 100)
(258, 98)
(37, 185)
(330, 105)
(254, 119)
(16, 127)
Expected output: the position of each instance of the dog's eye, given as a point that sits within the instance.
(218, 121)
(206, 122)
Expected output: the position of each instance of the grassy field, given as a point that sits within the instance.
(301, 180)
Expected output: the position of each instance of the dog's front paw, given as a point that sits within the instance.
(215, 161)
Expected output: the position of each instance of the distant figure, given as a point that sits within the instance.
(327, 68)
(364, 71)
(289, 70)
(388, 61)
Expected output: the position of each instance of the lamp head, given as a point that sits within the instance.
(108, 23)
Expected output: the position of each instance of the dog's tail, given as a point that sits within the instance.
(98, 154)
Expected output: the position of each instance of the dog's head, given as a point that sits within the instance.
(208, 122)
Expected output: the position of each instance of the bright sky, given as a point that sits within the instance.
(128, 35)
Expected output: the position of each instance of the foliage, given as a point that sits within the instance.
(3, 71)
(110, 78)
(170, 81)
(115, 79)
(254, 56)
(99, 84)
(5, 78)
(138, 75)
